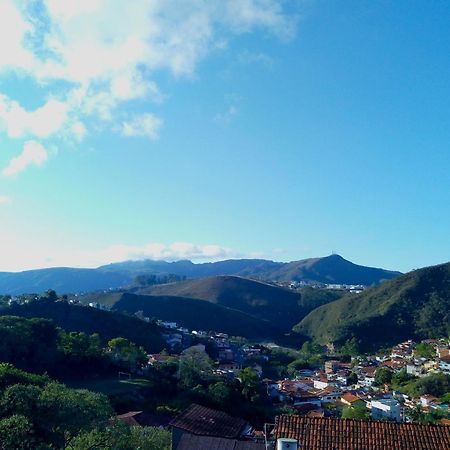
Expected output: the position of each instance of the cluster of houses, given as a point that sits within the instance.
(352, 288)
(326, 392)
(336, 385)
(229, 357)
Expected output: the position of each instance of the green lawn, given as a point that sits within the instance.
(111, 386)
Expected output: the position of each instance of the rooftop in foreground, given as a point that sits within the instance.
(314, 433)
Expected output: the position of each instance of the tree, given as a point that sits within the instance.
(424, 350)
(122, 437)
(350, 347)
(352, 379)
(220, 393)
(11, 375)
(194, 367)
(401, 379)
(126, 354)
(30, 344)
(249, 383)
(50, 294)
(357, 411)
(20, 399)
(63, 413)
(437, 384)
(16, 433)
(382, 376)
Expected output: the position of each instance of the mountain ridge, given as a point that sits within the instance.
(331, 269)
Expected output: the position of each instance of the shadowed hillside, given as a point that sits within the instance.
(281, 307)
(415, 305)
(252, 297)
(195, 314)
(78, 318)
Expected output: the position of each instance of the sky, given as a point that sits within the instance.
(217, 129)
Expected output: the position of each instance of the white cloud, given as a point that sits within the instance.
(96, 56)
(147, 125)
(42, 122)
(159, 251)
(59, 253)
(33, 153)
(78, 130)
(4, 199)
(13, 29)
(247, 57)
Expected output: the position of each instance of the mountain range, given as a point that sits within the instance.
(331, 269)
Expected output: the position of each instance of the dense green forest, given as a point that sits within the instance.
(413, 306)
(106, 324)
(39, 413)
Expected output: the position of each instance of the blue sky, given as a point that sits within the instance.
(220, 129)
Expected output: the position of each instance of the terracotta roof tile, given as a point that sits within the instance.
(315, 433)
(209, 422)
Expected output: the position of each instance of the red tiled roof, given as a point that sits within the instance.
(369, 371)
(141, 418)
(349, 398)
(209, 422)
(315, 433)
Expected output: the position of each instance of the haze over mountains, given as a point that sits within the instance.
(331, 269)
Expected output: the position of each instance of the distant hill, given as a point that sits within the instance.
(415, 305)
(78, 318)
(195, 314)
(278, 305)
(331, 269)
(234, 305)
(240, 267)
(61, 279)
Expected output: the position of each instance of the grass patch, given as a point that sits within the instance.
(112, 386)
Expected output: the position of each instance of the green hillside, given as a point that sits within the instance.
(89, 320)
(195, 314)
(281, 307)
(260, 300)
(233, 305)
(415, 305)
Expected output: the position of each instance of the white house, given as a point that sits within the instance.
(444, 365)
(386, 408)
(170, 325)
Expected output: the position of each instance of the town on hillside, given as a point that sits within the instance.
(401, 384)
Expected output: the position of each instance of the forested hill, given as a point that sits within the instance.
(233, 305)
(329, 269)
(415, 305)
(107, 324)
